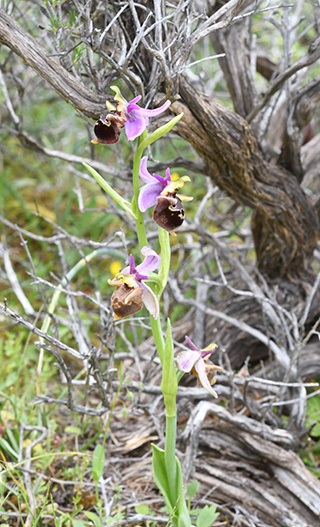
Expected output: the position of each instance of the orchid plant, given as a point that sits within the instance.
(139, 285)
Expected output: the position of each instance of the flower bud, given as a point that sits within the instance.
(169, 213)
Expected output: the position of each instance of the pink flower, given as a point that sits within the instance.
(162, 193)
(195, 361)
(138, 118)
(132, 293)
(154, 186)
(126, 114)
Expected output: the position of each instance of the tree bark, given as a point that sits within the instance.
(284, 224)
(236, 67)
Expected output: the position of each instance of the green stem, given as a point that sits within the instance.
(183, 519)
(142, 238)
(163, 275)
(158, 337)
(170, 451)
(165, 258)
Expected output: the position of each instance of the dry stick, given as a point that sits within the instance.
(33, 144)
(7, 100)
(280, 353)
(66, 85)
(63, 234)
(80, 294)
(251, 426)
(228, 10)
(46, 323)
(157, 53)
(12, 277)
(253, 286)
(26, 248)
(133, 351)
(31, 492)
(309, 301)
(5, 311)
(311, 58)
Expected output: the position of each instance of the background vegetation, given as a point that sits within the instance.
(72, 379)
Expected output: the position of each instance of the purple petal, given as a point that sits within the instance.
(205, 353)
(150, 300)
(200, 369)
(135, 125)
(144, 172)
(168, 176)
(163, 180)
(192, 346)
(154, 178)
(150, 263)
(133, 271)
(148, 196)
(186, 360)
(132, 267)
(129, 269)
(208, 350)
(145, 112)
(132, 103)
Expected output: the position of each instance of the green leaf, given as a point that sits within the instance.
(109, 190)
(12, 439)
(154, 278)
(74, 430)
(313, 414)
(160, 132)
(98, 462)
(165, 253)
(207, 516)
(192, 489)
(79, 523)
(175, 503)
(94, 518)
(143, 509)
(169, 384)
(117, 517)
(7, 448)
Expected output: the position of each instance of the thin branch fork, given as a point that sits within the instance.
(279, 352)
(6, 312)
(303, 62)
(66, 85)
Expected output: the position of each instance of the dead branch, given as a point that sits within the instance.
(65, 84)
(282, 491)
(285, 227)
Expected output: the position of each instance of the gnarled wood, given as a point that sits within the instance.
(284, 225)
(250, 467)
(233, 43)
